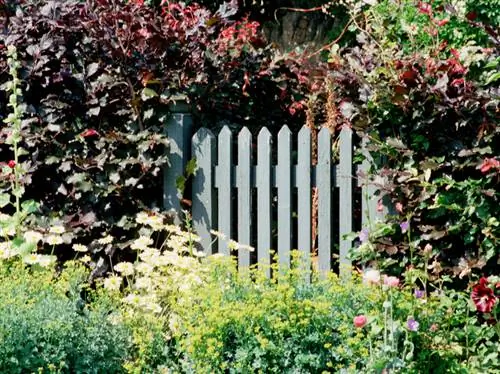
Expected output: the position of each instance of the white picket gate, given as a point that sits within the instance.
(253, 185)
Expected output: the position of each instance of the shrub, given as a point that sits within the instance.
(429, 109)
(243, 322)
(45, 325)
(96, 80)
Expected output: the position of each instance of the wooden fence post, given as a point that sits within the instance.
(179, 131)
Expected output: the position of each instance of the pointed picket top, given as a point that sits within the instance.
(244, 132)
(284, 133)
(264, 134)
(202, 134)
(304, 132)
(225, 132)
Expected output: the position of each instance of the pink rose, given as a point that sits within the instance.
(391, 281)
(371, 276)
(360, 321)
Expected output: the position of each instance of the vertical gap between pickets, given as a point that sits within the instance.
(274, 227)
(335, 246)
(234, 223)
(253, 233)
(295, 205)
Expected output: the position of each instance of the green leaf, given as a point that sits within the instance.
(4, 200)
(30, 206)
(148, 93)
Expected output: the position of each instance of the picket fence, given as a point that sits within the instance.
(266, 203)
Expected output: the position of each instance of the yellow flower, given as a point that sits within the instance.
(58, 229)
(80, 248)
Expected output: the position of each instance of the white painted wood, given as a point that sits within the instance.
(284, 183)
(325, 185)
(203, 197)
(244, 195)
(303, 179)
(224, 179)
(345, 177)
(264, 196)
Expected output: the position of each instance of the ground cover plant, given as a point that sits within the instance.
(45, 325)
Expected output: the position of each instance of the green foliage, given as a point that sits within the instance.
(96, 80)
(424, 95)
(46, 327)
(243, 322)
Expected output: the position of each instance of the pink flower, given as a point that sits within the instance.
(443, 22)
(412, 324)
(391, 281)
(11, 164)
(360, 321)
(489, 163)
(89, 132)
(425, 8)
(371, 276)
(399, 207)
(404, 226)
(483, 297)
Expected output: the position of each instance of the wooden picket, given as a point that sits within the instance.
(223, 194)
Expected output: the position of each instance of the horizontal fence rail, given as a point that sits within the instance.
(266, 203)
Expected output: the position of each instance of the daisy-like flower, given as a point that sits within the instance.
(125, 268)
(57, 229)
(112, 283)
(54, 240)
(141, 218)
(85, 259)
(108, 239)
(80, 248)
(141, 243)
(6, 250)
(31, 259)
(144, 268)
(45, 260)
(143, 283)
(33, 236)
(132, 299)
(8, 231)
